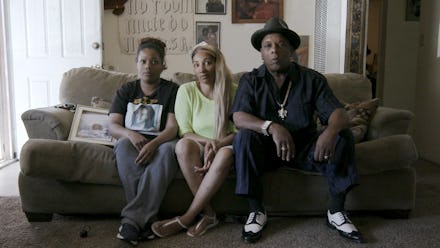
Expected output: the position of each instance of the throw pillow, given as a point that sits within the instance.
(360, 115)
(98, 102)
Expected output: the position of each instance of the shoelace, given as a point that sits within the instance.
(251, 218)
(343, 218)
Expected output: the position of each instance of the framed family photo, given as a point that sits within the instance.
(91, 125)
(212, 7)
(256, 11)
(412, 10)
(208, 32)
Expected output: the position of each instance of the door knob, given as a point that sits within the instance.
(95, 45)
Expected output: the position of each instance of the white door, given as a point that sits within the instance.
(47, 38)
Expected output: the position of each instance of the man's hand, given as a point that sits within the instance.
(325, 146)
(283, 141)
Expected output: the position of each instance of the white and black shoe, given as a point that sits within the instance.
(344, 226)
(254, 226)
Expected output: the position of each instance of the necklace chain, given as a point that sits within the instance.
(282, 112)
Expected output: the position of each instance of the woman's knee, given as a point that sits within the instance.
(123, 147)
(186, 146)
(225, 158)
(122, 142)
(167, 147)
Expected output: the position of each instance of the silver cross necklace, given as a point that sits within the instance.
(282, 113)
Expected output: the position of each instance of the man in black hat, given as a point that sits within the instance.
(274, 110)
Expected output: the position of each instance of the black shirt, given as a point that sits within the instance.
(165, 95)
(258, 95)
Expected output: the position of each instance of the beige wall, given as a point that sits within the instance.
(235, 39)
(427, 92)
(401, 52)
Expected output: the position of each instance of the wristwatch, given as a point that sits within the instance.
(265, 127)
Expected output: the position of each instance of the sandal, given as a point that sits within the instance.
(203, 225)
(166, 228)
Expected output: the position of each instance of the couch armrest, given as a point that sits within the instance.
(389, 121)
(385, 154)
(47, 123)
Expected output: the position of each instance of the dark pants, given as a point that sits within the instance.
(256, 154)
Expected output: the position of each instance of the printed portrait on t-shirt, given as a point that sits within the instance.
(144, 118)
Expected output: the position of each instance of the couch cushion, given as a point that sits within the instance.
(70, 161)
(79, 85)
(349, 87)
(385, 154)
(98, 102)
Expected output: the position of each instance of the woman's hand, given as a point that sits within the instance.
(209, 153)
(144, 146)
(146, 154)
(138, 140)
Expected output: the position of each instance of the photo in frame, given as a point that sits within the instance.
(302, 52)
(256, 11)
(208, 32)
(91, 125)
(412, 10)
(211, 7)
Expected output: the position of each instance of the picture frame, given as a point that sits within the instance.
(91, 125)
(412, 12)
(210, 7)
(256, 11)
(302, 52)
(208, 32)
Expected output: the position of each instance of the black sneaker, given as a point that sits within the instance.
(146, 233)
(128, 233)
(254, 226)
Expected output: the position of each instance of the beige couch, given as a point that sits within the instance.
(60, 176)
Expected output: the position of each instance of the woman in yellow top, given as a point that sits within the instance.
(205, 150)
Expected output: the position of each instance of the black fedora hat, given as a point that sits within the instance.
(275, 25)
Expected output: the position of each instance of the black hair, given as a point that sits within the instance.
(154, 44)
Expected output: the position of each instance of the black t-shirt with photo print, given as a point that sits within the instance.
(131, 92)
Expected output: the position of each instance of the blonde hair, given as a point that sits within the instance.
(222, 89)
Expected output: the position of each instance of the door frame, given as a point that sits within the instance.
(8, 151)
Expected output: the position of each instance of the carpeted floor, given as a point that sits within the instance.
(422, 229)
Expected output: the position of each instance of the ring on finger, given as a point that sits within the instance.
(283, 148)
(325, 156)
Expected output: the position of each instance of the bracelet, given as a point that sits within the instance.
(265, 128)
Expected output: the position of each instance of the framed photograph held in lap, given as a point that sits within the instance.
(91, 125)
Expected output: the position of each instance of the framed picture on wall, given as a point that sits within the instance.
(302, 52)
(91, 125)
(412, 10)
(212, 7)
(256, 11)
(208, 32)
